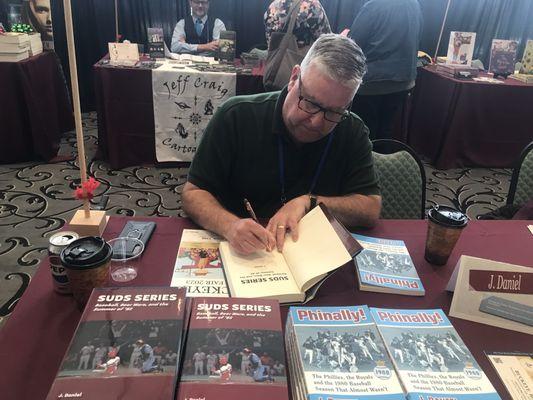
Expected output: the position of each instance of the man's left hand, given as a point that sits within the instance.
(286, 220)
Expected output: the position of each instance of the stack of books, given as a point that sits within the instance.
(356, 352)
(526, 78)
(457, 71)
(36, 44)
(14, 46)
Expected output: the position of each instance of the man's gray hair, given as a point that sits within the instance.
(339, 57)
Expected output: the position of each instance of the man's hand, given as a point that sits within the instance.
(246, 236)
(211, 46)
(287, 218)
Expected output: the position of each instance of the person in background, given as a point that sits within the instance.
(198, 32)
(311, 21)
(285, 152)
(388, 32)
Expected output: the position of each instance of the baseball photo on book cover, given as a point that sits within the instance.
(337, 352)
(127, 345)
(234, 350)
(198, 266)
(431, 359)
(461, 48)
(386, 266)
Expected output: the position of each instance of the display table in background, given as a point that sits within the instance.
(38, 332)
(35, 108)
(464, 123)
(126, 132)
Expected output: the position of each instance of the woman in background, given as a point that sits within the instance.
(311, 21)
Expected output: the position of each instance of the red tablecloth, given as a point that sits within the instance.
(124, 103)
(35, 108)
(463, 123)
(38, 332)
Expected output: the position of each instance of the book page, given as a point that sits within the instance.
(262, 274)
(318, 250)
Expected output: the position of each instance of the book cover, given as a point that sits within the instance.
(234, 350)
(226, 46)
(527, 59)
(386, 266)
(337, 353)
(503, 57)
(156, 39)
(198, 266)
(126, 345)
(430, 357)
(461, 48)
(323, 245)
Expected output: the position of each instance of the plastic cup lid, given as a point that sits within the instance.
(447, 216)
(85, 253)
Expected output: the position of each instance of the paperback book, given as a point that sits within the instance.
(156, 48)
(337, 353)
(234, 350)
(431, 359)
(527, 59)
(226, 46)
(385, 266)
(293, 275)
(198, 266)
(503, 57)
(127, 345)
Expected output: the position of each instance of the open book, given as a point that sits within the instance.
(291, 276)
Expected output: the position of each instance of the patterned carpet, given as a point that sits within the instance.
(36, 200)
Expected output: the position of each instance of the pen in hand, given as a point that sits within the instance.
(250, 210)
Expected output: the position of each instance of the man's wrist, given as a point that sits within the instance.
(313, 201)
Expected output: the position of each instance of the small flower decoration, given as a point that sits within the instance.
(86, 190)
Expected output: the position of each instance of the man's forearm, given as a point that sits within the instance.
(204, 209)
(355, 209)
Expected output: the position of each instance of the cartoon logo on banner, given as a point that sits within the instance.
(184, 103)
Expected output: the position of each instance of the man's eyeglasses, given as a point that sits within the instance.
(311, 107)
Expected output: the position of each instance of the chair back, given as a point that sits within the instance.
(402, 180)
(521, 188)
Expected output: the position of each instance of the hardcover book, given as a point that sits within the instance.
(293, 275)
(156, 47)
(430, 357)
(127, 345)
(385, 266)
(234, 350)
(226, 46)
(503, 57)
(198, 266)
(461, 48)
(337, 353)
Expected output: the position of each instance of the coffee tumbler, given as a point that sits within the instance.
(445, 225)
(86, 261)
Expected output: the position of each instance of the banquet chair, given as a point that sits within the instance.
(521, 188)
(402, 180)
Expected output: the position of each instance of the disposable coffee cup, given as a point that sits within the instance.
(445, 225)
(86, 261)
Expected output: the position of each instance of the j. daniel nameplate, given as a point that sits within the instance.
(493, 293)
(501, 281)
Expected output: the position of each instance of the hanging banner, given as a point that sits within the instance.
(35, 13)
(184, 102)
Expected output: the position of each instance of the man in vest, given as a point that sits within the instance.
(198, 32)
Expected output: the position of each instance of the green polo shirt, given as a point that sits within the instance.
(238, 157)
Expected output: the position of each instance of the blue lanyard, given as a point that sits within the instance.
(317, 172)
